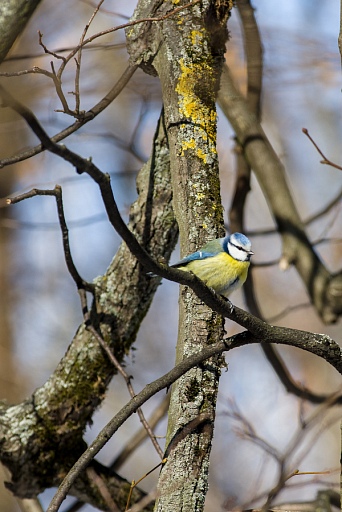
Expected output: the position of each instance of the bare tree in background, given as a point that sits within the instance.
(42, 438)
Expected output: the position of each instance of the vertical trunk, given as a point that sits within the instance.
(186, 50)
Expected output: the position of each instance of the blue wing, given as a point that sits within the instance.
(208, 251)
(198, 255)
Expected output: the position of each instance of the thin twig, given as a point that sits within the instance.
(46, 50)
(79, 57)
(34, 70)
(284, 459)
(57, 77)
(128, 379)
(57, 194)
(157, 415)
(146, 500)
(88, 116)
(131, 24)
(58, 86)
(131, 446)
(135, 483)
(51, 226)
(325, 160)
(112, 426)
(65, 49)
(293, 448)
(103, 490)
(312, 218)
(287, 311)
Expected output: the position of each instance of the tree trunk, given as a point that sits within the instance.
(186, 50)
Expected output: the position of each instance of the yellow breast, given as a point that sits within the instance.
(221, 272)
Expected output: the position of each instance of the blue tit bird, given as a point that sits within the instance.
(222, 263)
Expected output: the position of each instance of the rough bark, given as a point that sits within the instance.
(42, 437)
(14, 15)
(186, 50)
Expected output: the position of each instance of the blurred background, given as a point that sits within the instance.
(40, 309)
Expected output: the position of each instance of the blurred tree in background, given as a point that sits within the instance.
(97, 87)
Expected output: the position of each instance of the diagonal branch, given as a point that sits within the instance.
(325, 160)
(88, 116)
(322, 287)
(150, 390)
(253, 51)
(319, 344)
(56, 426)
(259, 331)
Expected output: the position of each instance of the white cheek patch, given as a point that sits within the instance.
(236, 253)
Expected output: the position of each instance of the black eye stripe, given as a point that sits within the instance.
(238, 247)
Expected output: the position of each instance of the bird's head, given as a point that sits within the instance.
(238, 246)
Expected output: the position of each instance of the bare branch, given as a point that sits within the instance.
(103, 489)
(286, 463)
(318, 344)
(254, 55)
(30, 56)
(112, 426)
(57, 193)
(88, 116)
(325, 160)
(79, 57)
(34, 70)
(312, 218)
(164, 382)
(151, 496)
(46, 50)
(127, 378)
(155, 227)
(57, 77)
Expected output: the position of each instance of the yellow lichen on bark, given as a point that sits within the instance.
(193, 107)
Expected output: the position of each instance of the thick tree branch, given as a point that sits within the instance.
(254, 63)
(72, 426)
(324, 289)
(165, 381)
(64, 405)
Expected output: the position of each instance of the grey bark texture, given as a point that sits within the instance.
(186, 51)
(14, 14)
(42, 437)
